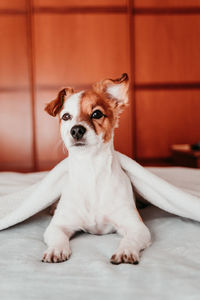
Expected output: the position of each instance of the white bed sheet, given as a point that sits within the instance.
(169, 269)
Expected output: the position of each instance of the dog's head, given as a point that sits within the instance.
(88, 118)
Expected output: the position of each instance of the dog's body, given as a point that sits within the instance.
(97, 196)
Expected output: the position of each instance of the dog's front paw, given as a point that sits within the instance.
(56, 255)
(125, 256)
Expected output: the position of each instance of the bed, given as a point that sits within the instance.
(169, 269)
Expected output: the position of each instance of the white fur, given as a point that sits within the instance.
(97, 196)
(72, 106)
(118, 92)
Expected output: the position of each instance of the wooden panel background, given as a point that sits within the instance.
(46, 45)
(16, 152)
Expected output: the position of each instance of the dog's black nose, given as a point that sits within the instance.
(77, 132)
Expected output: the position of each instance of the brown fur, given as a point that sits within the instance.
(101, 86)
(55, 106)
(91, 101)
(98, 98)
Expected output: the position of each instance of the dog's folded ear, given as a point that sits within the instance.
(55, 106)
(116, 89)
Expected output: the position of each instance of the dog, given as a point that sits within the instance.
(95, 184)
(97, 196)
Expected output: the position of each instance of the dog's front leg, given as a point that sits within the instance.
(136, 236)
(57, 239)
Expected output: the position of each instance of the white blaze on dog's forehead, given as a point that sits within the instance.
(119, 92)
(72, 105)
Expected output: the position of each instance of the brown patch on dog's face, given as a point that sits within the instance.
(104, 98)
(55, 106)
(92, 102)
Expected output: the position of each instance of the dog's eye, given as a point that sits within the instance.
(97, 114)
(66, 117)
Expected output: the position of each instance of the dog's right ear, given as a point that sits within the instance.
(55, 106)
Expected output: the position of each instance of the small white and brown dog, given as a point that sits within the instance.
(97, 195)
(94, 183)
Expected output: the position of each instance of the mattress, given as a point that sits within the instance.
(169, 268)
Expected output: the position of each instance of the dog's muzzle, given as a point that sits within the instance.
(77, 132)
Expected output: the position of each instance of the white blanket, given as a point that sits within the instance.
(169, 269)
(20, 205)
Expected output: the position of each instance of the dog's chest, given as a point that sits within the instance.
(90, 181)
(93, 186)
(96, 188)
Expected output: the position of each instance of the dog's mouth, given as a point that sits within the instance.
(79, 144)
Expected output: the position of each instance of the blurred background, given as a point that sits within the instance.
(47, 45)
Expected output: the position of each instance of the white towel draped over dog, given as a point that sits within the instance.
(159, 192)
(18, 206)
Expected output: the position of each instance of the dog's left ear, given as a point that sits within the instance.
(55, 106)
(116, 89)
